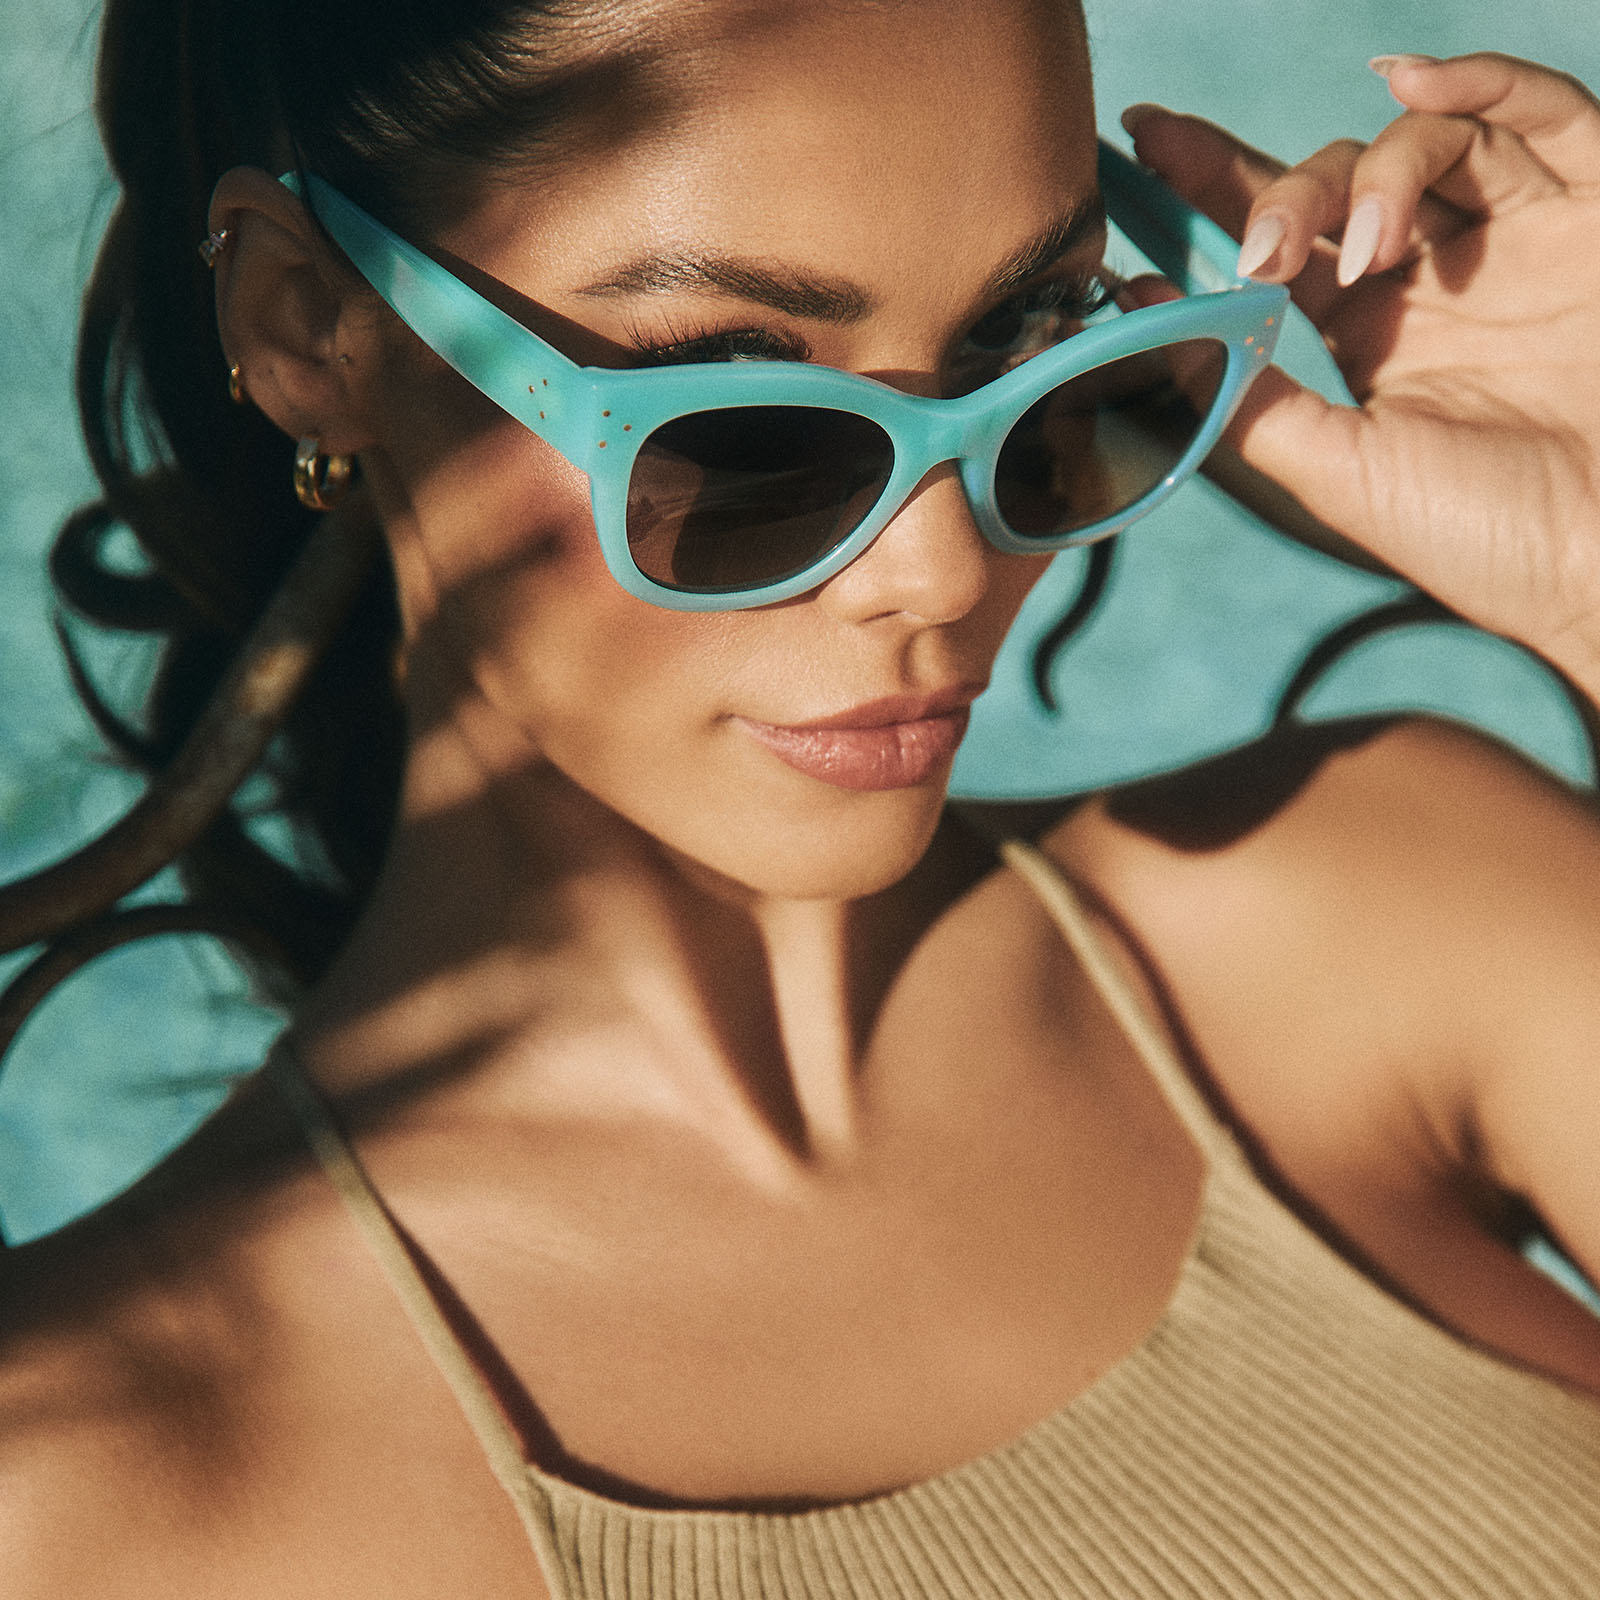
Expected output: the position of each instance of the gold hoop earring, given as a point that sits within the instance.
(320, 480)
(236, 384)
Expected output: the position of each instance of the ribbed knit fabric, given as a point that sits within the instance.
(1286, 1430)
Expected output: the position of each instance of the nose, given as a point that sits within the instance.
(931, 563)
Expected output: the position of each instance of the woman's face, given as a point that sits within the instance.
(890, 159)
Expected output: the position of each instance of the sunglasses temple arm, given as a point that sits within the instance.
(501, 357)
(1184, 245)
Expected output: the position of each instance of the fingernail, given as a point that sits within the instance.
(1384, 65)
(1361, 234)
(1137, 115)
(1265, 235)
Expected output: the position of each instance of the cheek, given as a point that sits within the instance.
(491, 502)
(612, 691)
(633, 703)
(512, 609)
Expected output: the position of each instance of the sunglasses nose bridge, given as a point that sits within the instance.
(962, 429)
(967, 430)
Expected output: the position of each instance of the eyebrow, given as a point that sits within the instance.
(810, 295)
(1085, 221)
(818, 297)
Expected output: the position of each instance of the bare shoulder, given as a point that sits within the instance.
(1401, 861)
(98, 1367)
(209, 1388)
(1383, 938)
(1338, 899)
(1383, 941)
(132, 1351)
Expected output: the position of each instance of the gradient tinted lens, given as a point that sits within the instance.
(1100, 442)
(725, 501)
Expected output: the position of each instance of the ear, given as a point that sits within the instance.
(295, 321)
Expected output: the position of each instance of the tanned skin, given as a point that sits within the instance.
(762, 1138)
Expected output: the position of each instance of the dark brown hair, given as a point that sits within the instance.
(393, 102)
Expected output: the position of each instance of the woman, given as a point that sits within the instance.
(818, 1205)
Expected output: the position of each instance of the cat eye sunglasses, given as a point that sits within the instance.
(723, 485)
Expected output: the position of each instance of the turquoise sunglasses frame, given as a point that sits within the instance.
(599, 417)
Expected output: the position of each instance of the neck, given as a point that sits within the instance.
(528, 953)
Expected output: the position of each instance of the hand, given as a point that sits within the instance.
(1463, 309)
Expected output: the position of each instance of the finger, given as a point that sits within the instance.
(1224, 178)
(1554, 115)
(1398, 188)
(1279, 509)
(1300, 206)
(1379, 200)
(1148, 289)
(1306, 444)
(1478, 167)
(1215, 172)
(1496, 172)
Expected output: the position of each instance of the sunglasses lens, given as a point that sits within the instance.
(726, 501)
(1100, 442)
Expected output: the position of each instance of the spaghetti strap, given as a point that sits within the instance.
(473, 1394)
(1063, 901)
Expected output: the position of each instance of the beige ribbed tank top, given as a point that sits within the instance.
(1285, 1430)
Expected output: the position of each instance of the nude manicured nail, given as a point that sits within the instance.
(1384, 65)
(1361, 235)
(1265, 235)
(1136, 115)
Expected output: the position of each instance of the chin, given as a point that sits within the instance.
(851, 847)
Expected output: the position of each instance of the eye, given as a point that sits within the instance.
(1002, 325)
(1037, 318)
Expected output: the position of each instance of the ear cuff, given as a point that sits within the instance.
(213, 245)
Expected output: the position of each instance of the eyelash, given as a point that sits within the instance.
(677, 348)
(1074, 300)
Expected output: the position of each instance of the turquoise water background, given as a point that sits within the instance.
(1208, 613)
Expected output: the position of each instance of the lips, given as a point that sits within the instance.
(894, 743)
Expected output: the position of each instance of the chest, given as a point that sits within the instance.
(888, 1332)
(684, 1335)
(662, 1329)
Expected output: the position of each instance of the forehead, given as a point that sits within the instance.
(882, 139)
